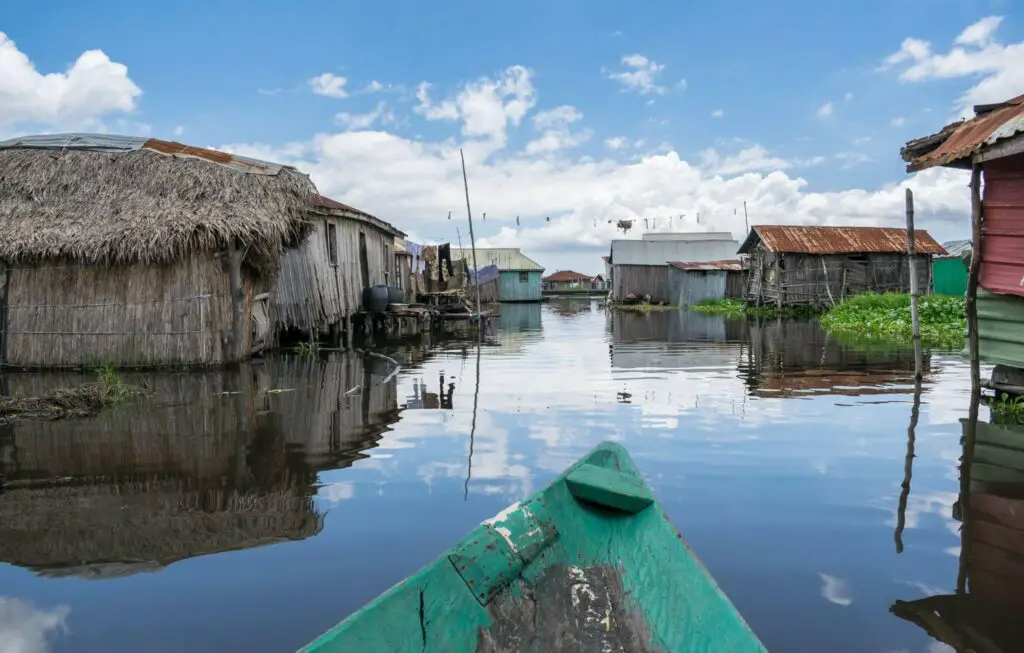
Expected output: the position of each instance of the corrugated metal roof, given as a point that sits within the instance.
(660, 252)
(687, 235)
(567, 275)
(333, 205)
(506, 258)
(956, 248)
(992, 124)
(838, 240)
(729, 265)
(113, 144)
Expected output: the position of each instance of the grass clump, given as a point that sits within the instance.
(84, 401)
(644, 307)
(739, 307)
(886, 316)
(721, 307)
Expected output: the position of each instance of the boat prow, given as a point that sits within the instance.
(589, 563)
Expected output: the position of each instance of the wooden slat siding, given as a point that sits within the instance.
(61, 314)
(999, 510)
(641, 280)
(806, 281)
(311, 293)
(997, 535)
(736, 284)
(1008, 565)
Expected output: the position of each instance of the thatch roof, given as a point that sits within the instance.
(115, 200)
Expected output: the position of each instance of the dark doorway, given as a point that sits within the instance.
(364, 261)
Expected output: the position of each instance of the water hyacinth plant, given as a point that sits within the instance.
(886, 316)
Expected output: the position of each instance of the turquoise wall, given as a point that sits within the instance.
(519, 287)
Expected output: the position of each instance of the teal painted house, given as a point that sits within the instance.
(519, 275)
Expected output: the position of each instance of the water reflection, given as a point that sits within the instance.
(208, 463)
(791, 504)
(790, 358)
(983, 614)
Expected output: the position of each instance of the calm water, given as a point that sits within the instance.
(251, 512)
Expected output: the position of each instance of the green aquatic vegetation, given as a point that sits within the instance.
(739, 307)
(1006, 409)
(721, 307)
(886, 316)
(644, 308)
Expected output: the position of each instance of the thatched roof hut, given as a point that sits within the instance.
(139, 251)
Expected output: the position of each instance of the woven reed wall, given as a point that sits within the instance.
(66, 315)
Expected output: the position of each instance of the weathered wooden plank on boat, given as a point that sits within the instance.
(590, 563)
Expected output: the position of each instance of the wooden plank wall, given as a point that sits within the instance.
(311, 293)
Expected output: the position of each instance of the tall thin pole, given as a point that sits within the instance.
(915, 320)
(472, 239)
(746, 222)
(971, 302)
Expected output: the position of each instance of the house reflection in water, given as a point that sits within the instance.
(787, 358)
(675, 326)
(984, 614)
(208, 462)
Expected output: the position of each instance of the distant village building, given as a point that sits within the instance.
(641, 267)
(692, 283)
(991, 144)
(322, 282)
(819, 266)
(518, 275)
(140, 252)
(568, 280)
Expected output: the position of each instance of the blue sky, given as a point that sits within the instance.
(811, 119)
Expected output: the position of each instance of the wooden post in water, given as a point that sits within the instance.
(472, 240)
(915, 321)
(971, 302)
(235, 340)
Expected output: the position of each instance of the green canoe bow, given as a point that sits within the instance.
(590, 563)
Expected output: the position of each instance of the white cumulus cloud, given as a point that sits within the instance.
(91, 87)
(329, 85)
(975, 54)
(826, 110)
(641, 75)
(25, 628)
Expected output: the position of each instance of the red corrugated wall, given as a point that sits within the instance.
(1002, 241)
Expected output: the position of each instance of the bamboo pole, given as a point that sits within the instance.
(972, 279)
(472, 240)
(908, 468)
(915, 320)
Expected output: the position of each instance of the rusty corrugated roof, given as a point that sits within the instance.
(960, 140)
(731, 265)
(327, 203)
(567, 275)
(838, 240)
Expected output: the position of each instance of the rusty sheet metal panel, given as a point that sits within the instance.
(1001, 328)
(729, 265)
(1002, 238)
(838, 240)
(961, 140)
(112, 144)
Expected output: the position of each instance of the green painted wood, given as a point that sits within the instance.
(609, 487)
(1001, 328)
(949, 276)
(558, 573)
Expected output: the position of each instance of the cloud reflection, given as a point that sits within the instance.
(24, 628)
